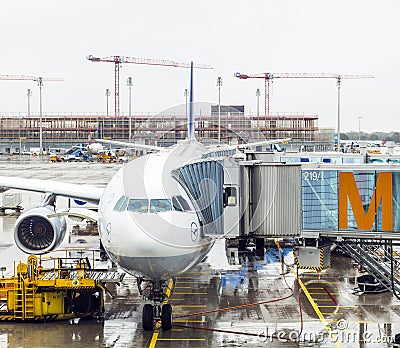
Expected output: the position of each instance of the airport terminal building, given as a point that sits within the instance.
(64, 130)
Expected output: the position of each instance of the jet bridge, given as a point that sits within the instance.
(311, 200)
(241, 198)
(353, 206)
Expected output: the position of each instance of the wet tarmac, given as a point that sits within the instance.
(259, 303)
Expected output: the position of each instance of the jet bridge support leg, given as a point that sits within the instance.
(260, 247)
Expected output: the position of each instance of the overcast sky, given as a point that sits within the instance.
(52, 39)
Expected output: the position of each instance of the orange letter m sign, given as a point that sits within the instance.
(382, 194)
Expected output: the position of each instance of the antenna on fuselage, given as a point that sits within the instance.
(191, 135)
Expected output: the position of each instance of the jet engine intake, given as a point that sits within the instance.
(36, 233)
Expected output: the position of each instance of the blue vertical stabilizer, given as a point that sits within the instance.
(191, 121)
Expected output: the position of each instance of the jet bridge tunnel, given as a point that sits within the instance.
(354, 207)
(293, 200)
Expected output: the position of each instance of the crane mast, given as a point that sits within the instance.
(118, 60)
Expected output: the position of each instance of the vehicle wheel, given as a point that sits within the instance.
(147, 318)
(166, 317)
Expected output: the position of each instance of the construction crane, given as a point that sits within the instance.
(118, 60)
(39, 81)
(26, 77)
(268, 79)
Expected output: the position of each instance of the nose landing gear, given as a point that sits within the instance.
(152, 313)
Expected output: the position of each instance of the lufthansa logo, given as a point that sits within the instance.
(194, 231)
(108, 229)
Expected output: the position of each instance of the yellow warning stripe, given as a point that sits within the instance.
(189, 320)
(154, 338)
(168, 292)
(338, 306)
(181, 339)
(190, 293)
(316, 309)
(192, 306)
(321, 257)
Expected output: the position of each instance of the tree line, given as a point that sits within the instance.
(385, 136)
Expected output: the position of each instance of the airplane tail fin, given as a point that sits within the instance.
(89, 138)
(191, 135)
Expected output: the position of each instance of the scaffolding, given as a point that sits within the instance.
(163, 129)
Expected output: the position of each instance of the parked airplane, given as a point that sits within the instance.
(93, 148)
(150, 222)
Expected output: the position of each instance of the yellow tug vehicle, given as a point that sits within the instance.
(69, 289)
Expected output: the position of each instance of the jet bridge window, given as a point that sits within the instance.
(230, 196)
(138, 205)
(179, 203)
(121, 204)
(160, 205)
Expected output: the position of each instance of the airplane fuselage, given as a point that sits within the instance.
(146, 221)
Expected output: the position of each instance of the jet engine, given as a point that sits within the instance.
(36, 233)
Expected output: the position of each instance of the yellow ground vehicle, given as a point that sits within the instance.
(70, 288)
(106, 156)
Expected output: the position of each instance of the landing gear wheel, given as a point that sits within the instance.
(166, 317)
(147, 318)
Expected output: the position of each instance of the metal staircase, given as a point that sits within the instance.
(379, 260)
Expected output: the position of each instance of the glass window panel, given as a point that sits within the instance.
(138, 205)
(121, 204)
(176, 205)
(160, 205)
(319, 198)
(183, 203)
(396, 200)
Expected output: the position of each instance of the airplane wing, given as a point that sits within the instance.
(133, 145)
(249, 145)
(87, 193)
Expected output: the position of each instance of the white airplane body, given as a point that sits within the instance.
(94, 148)
(163, 238)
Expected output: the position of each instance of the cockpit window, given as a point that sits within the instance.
(176, 204)
(138, 205)
(160, 205)
(121, 204)
(179, 203)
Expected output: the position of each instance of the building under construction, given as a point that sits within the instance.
(20, 131)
